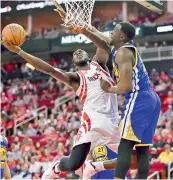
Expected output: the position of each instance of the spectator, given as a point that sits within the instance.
(154, 73)
(28, 146)
(146, 45)
(163, 75)
(35, 166)
(160, 143)
(15, 153)
(119, 17)
(63, 64)
(48, 129)
(156, 45)
(167, 155)
(19, 101)
(24, 174)
(169, 98)
(163, 44)
(31, 131)
(53, 62)
(9, 68)
(168, 113)
(147, 22)
(27, 98)
(170, 73)
(25, 70)
(161, 87)
(96, 22)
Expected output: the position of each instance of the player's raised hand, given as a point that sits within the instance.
(105, 85)
(59, 10)
(11, 47)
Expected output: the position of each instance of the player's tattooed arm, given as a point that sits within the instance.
(124, 58)
(70, 79)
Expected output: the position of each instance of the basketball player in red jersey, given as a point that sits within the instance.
(100, 118)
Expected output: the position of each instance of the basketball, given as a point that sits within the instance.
(14, 33)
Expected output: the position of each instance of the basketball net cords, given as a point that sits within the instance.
(78, 13)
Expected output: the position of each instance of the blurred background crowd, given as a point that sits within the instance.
(40, 116)
(46, 138)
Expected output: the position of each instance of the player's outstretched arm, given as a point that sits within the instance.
(7, 175)
(124, 60)
(40, 65)
(100, 40)
(106, 38)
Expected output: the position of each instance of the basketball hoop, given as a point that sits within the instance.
(154, 5)
(78, 13)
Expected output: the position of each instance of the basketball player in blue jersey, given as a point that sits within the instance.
(142, 106)
(4, 169)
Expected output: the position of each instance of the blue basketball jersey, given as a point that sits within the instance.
(142, 107)
(102, 153)
(140, 79)
(3, 154)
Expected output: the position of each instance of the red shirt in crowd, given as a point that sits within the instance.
(9, 68)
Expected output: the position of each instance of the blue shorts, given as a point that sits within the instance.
(140, 116)
(1, 173)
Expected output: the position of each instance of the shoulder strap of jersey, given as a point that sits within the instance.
(128, 45)
(83, 88)
(112, 49)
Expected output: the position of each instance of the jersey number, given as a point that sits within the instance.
(100, 149)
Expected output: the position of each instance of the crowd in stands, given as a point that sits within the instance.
(147, 20)
(46, 138)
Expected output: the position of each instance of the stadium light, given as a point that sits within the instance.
(5, 9)
(167, 28)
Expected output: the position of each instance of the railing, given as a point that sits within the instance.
(170, 169)
(29, 117)
(153, 175)
(63, 99)
(157, 54)
(33, 116)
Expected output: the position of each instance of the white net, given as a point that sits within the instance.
(78, 13)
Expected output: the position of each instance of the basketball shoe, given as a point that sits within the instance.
(86, 171)
(51, 172)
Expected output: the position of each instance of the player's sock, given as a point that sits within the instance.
(99, 166)
(57, 169)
